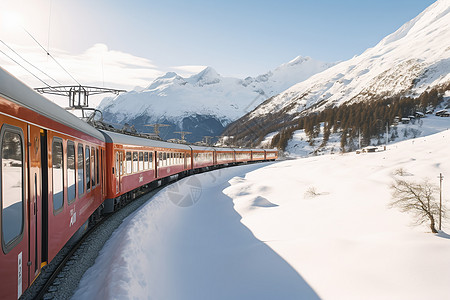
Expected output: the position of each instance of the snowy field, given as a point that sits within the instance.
(254, 232)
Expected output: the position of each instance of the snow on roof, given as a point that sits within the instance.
(16, 91)
(118, 138)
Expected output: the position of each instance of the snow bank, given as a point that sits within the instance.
(257, 232)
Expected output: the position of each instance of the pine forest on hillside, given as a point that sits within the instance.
(365, 120)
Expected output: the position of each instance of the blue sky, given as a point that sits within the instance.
(237, 38)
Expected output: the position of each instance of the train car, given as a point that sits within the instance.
(134, 161)
(51, 181)
(258, 155)
(224, 156)
(242, 155)
(271, 154)
(202, 158)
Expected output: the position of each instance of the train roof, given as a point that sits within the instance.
(242, 149)
(258, 150)
(119, 138)
(223, 149)
(15, 90)
(201, 148)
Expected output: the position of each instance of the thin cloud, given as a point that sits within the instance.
(98, 65)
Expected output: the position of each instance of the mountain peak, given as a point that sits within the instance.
(298, 60)
(165, 80)
(205, 77)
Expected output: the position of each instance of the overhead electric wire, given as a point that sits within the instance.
(48, 53)
(15, 52)
(25, 68)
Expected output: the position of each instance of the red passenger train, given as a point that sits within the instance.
(57, 174)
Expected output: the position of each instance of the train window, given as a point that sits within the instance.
(88, 168)
(129, 169)
(80, 168)
(141, 161)
(150, 160)
(12, 187)
(116, 171)
(146, 160)
(93, 167)
(121, 163)
(71, 191)
(58, 174)
(97, 162)
(135, 162)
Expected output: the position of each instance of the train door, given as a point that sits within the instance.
(13, 209)
(44, 195)
(118, 170)
(35, 202)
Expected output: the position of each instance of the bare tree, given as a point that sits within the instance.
(419, 199)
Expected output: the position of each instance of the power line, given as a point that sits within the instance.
(48, 53)
(15, 52)
(24, 68)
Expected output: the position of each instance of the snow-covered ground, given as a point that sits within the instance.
(299, 145)
(255, 232)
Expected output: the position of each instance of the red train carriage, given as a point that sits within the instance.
(242, 155)
(223, 156)
(202, 158)
(133, 162)
(51, 181)
(258, 155)
(271, 154)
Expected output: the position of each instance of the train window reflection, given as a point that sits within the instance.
(129, 169)
(145, 160)
(150, 160)
(135, 161)
(12, 183)
(80, 167)
(88, 168)
(58, 175)
(93, 167)
(97, 162)
(71, 192)
(141, 161)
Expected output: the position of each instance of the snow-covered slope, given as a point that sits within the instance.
(257, 232)
(174, 99)
(407, 62)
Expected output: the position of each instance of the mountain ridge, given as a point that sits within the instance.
(175, 100)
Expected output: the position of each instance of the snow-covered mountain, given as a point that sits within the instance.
(407, 62)
(206, 102)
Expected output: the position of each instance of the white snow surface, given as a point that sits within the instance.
(208, 93)
(254, 232)
(410, 60)
(299, 145)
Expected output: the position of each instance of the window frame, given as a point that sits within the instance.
(71, 144)
(7, 247)
(83, 177)
(141, 165)
(129, 162)
(87, 168)
(59, 210)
